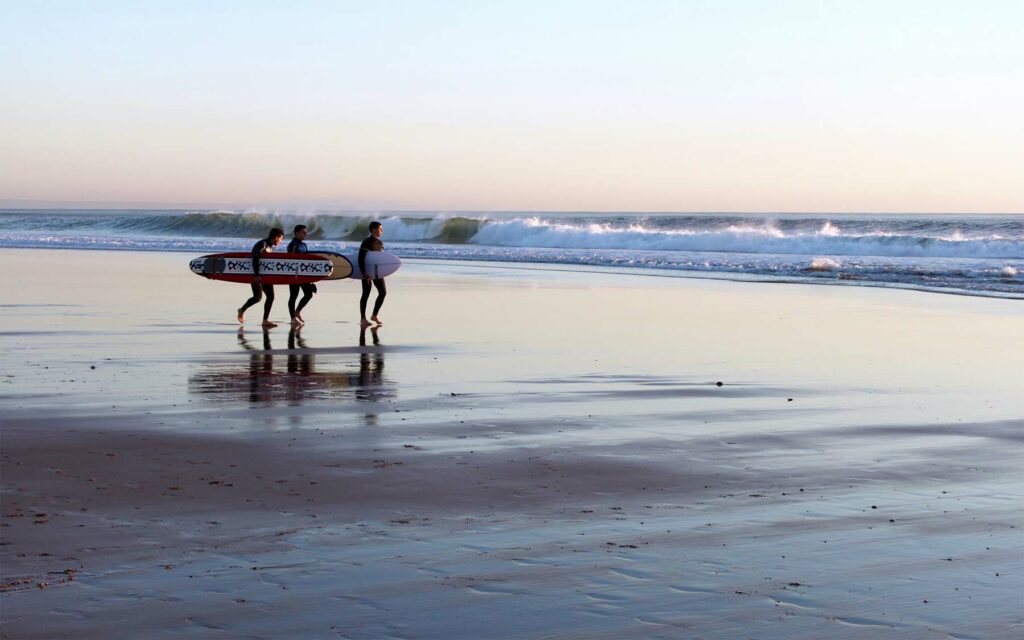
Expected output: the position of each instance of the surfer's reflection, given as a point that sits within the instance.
(371, 374)
(307, 374)
(261, 362)
(299, 362)
(373, 333)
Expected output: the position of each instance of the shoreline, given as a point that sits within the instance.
(555, 267)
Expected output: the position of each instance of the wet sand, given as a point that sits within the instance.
(516, 453)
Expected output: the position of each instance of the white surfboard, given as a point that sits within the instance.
(379, 264)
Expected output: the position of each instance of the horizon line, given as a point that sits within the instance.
(94, 206)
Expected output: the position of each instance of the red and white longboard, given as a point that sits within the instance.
(275, 268)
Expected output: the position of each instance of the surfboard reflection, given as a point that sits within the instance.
(298, 374)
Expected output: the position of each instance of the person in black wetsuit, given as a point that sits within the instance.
(259, 289)
(298, 245)
(372, 243)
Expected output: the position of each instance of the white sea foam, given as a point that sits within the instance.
(830, 230)
(824, 264)
(741, 238)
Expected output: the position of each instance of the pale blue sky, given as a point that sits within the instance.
(670, 106)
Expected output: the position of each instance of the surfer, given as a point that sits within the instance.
(298, 245)
(258, 288)
(372, 243)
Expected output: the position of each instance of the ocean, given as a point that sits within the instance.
(978, 255)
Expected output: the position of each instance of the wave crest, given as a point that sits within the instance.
(806, 236)
(764, 238)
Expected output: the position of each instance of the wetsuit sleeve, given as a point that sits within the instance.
(363, 250)
(257, 253)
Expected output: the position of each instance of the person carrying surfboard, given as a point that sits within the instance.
(372, 243)
(298, 245)
(259, 290)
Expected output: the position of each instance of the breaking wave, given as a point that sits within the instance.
(795, 235)
(978, 255)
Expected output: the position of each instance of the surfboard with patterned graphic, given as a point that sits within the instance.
(275, 268)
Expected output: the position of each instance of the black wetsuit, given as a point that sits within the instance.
(298, 246)
(370, 244)
(257, 291)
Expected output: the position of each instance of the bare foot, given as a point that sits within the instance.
(240, 318)
(376, 319)
(298, 316)
(296, 321)
(267, 324)
(364, 323)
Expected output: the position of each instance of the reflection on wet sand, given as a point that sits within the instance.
(306, 374)
(371, 369)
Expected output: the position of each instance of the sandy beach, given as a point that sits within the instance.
(519, 452)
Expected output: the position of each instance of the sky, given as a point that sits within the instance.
(776, 106)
